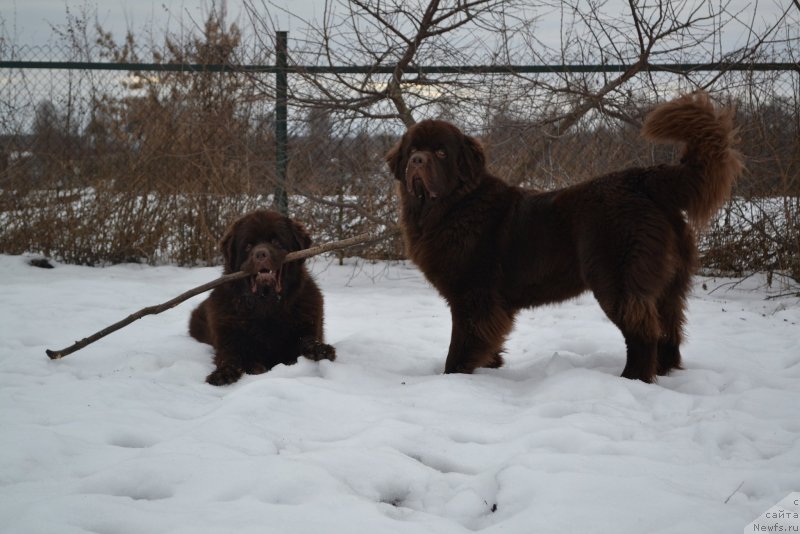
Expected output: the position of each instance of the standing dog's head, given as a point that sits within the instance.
(258, 243)
(435, 160)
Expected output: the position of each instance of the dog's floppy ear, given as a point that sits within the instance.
(394, 159)
(300, 237)
(473, 158)
(228, 248)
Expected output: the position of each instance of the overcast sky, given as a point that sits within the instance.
(31, 22)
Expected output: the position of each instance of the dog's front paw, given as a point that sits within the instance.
(313, 349)
(324, 351)
(222, 376)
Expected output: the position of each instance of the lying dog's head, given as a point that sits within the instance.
(434, 159)
(258, 243)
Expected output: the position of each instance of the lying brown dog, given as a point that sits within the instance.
(275, 315)
(492, 249)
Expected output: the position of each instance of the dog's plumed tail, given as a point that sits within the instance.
(709, 164)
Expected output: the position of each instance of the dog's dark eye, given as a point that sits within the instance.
(276, 242)
(248, 248)
(441, 154)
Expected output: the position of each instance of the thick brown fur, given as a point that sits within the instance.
(272, 317)
(629, 237)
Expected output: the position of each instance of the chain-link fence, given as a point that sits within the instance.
(140, 162)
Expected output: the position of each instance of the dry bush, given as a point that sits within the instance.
(152, 166)
(759, 229)
(152, 176)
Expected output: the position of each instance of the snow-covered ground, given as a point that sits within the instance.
(124, 436)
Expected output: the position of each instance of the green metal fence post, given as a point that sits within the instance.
(281, 200)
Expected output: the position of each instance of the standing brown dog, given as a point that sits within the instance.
(492, 249)
(275, 315)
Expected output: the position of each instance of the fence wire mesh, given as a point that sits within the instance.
(105, 166)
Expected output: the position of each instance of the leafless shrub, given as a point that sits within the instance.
(150, 166)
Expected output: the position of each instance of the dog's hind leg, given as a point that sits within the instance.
(198, 324)
(639, 322)
(671, 313)
(637, 319)
(672, 306)
(641, 359)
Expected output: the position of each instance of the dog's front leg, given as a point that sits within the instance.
(479, 330)
(229, 369)
(230, 358)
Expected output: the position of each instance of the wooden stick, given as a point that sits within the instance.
(152, 310)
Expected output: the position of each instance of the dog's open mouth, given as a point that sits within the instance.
(264, 280)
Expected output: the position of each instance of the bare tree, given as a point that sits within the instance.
(395, 40)
(542, 128)
(398, 35)
(171, 156)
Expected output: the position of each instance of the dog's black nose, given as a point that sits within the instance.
(418, 159)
